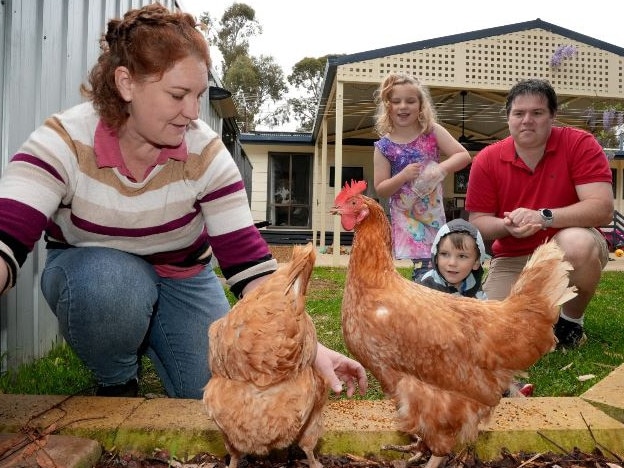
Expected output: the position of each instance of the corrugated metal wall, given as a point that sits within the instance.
(46, 50)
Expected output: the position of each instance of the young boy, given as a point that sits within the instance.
(457, 256)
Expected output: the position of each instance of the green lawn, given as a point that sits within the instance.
(561, 373)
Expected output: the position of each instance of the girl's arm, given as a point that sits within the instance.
(456, 156)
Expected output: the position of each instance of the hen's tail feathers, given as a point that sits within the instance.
(300, 268)
(546, 274)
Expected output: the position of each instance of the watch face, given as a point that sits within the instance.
(547, 213)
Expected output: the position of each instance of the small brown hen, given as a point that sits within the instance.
(264, 393)
(445, 360)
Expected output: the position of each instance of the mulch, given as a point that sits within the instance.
(292, 459)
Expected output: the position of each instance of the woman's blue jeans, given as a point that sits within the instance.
(112, 307)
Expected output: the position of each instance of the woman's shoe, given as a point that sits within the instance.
(129, 390)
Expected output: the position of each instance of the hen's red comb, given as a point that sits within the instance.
(349, 191)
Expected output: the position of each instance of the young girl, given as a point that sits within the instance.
(408, 168)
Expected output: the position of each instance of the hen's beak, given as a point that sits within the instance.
(334, 210)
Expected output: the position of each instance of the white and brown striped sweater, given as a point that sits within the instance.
(190, 203)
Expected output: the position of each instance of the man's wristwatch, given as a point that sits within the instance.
(547, 217)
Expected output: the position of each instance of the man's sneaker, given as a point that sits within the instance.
(527, 389)
(129, 389)
(519, 389)
(569, 334)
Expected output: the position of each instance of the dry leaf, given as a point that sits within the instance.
(583, 378)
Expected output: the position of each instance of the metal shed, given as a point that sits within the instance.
(47, 48)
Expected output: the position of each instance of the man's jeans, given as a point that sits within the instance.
(112, 307)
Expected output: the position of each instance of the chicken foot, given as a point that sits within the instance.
(235, 455)
(435, 461)
(234, 459)
(415, 448)
(312, 461)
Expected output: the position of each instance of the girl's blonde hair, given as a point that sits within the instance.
(383, 123)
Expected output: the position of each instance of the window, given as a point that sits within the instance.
(290, 181)
(460, 181)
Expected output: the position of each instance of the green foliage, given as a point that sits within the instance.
(603, 119)
(560, 373)
(253, 81)
(258, 84)
(237, 25)
(58, 373)
(206, 19)
(307, 78)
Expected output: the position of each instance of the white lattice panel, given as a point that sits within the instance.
(498, 62)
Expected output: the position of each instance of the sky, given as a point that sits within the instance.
(294, 29)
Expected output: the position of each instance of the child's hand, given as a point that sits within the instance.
(430, 176)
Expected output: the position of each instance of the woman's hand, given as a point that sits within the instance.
(339, 369)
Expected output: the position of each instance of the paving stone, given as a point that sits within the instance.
(55, 450)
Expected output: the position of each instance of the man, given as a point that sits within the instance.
(542, 182)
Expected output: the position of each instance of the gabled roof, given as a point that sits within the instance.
(474, 35)
(483, 95)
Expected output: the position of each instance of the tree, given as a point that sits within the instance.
(237, 25)
(307, 78)
(206, 23)
(254, 82)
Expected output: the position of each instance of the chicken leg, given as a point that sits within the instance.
(417, 452)
(435, 461)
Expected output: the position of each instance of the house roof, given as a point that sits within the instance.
(469, 75)
(473, 35)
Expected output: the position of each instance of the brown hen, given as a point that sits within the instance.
(264, 393)
(445, 360)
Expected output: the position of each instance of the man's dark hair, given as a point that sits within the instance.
(533, 86)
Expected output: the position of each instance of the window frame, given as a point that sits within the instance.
(287, 173)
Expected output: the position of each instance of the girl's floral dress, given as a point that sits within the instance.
(415, 221)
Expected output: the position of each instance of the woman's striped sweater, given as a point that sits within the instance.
(192, 202)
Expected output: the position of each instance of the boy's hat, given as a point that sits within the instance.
(459, 225)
